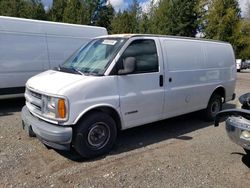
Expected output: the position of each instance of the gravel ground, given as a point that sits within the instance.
(179, 152)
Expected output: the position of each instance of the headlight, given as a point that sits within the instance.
(55, 108)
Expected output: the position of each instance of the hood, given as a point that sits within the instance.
(52, 82)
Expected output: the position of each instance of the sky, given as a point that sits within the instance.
(123, 4)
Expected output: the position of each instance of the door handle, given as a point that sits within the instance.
(161, 80)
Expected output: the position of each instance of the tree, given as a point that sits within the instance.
(176, 17)
(39, 12)
(135, 15)
(72, 12)
(121, 23)
(243, 42)
(8, 8)
(144, 24)
(105, 17)
(222, 20)
(57, 10)
(128, 20)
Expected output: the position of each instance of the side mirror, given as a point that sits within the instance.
(129, 66)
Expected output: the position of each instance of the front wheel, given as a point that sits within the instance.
(213, 107)
(95, 135)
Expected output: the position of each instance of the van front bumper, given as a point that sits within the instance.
(238, 130)
(57, 137)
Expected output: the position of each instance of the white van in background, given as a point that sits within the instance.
(28, 47)
(241, 65)
(118, 82)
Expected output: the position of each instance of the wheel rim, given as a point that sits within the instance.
(98, 135)
(215, 108)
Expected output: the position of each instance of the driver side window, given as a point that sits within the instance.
(145, 53)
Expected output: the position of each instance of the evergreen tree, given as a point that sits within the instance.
(23, 8)
(39, 12)
(242, 45)
(72, 12)
(144, 24)
(135, 15)
(57, 10)
(176, 17)
(222, 20)
(128, 20)
(121, 23)
(8, 8)
(105, 17)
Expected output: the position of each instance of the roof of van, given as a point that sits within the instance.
(128, 35)
(12, 24)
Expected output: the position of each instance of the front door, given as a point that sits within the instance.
(142, 92)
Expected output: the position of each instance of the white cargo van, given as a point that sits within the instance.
(28, 47)
(122, 81)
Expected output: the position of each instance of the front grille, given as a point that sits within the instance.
(33, 101)
(35, 94)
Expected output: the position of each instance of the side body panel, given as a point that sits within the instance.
(193, 70)
(28, 47)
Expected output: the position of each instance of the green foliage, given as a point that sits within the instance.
(72, 12)
(128, 20)
(176, 17)
(243, 50)
(223, 23)
(213, 19)
(105, 17)
(23, 8)
(57, 10)
(222, 20)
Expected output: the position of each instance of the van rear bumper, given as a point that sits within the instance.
(55, 136)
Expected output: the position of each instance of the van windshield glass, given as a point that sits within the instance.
(95, 57)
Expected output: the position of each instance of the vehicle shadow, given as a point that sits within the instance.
(246, 160)
(142, 136)
(133, 138)
(10, 106)
(145, 135)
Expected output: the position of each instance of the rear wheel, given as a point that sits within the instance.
(95, 135)
(213, 107)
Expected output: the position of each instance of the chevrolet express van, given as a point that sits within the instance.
(28, 47)
(121, 81)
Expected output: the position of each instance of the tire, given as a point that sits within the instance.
(213, 107)
(95, 135)
(247, 151)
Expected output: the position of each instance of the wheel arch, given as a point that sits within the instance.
(221, 91)
(110, 110)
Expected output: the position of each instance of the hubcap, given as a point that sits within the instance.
(98, 135)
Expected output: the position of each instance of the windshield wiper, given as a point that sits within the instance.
(70, 70)
(77, 71)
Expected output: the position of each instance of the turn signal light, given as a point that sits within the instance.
(61, 108)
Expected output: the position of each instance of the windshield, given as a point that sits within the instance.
(95, 57)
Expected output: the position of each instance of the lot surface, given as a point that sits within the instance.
(180, 152)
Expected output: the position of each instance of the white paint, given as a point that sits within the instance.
(138, 98)
(29, 47)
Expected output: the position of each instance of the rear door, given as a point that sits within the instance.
(142, 92)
